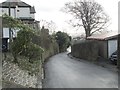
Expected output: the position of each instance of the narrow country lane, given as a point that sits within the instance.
(64, 72)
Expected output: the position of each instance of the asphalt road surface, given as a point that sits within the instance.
(64, 72)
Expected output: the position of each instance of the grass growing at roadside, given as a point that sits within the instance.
(32, 68)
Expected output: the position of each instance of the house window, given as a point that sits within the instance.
(18, 10)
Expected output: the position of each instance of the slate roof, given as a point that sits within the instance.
(18, 3)
(14, 4)
(105, 36)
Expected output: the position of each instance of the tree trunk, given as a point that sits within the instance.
(87, 32)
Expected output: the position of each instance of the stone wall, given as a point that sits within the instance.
(12, 73)
(87, 50)
(52, 50)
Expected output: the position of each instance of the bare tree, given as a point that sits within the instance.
(48, 25)
(88, 14)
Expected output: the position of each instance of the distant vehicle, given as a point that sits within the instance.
(113, 57)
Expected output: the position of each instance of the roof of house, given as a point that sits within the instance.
(105, 36)
(32, 10)
(14, 3)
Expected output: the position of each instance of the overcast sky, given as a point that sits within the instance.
(50, 10)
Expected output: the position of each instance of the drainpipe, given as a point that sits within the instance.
(10, 36)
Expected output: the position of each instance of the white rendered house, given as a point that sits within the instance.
(20, 10)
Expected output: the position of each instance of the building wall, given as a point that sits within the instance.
(37, 26)
(18, 12)
(23, 12)
(6, 33)
(6, 11)
(103, 49)
(112, 47)
(107, 47)
(32, 15)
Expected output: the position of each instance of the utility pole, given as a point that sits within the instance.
(10, 36)
(1, 51)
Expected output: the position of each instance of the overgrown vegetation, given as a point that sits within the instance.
(46, 41)
(24, 46)
(30, 46)
(63, 40)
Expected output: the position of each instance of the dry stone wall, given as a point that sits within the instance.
(12, 73)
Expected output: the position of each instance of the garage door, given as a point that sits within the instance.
(112, 46)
